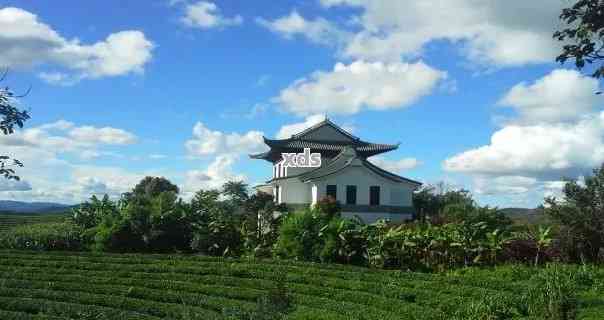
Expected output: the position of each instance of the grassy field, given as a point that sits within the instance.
(118, 286)
(11, 220)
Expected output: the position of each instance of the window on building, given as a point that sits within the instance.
(332, 191)
(277, 194)
(351, 194)
(374, 195)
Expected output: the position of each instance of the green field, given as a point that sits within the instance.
(118, 286)
(8, 221)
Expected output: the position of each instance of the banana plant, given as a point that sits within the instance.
(543, 239)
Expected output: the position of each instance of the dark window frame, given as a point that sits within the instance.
(351, 190)
(374, 197)
(335, 191)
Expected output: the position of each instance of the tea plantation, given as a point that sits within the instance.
(8, 221)
(59, 285)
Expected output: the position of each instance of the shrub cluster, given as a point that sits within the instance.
(452, 230)
(476, 239)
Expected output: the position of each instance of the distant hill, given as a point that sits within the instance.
(9, 206)
(525, 215)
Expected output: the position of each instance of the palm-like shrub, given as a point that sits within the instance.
(299, 236)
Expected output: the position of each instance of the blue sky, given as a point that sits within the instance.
(186, 89)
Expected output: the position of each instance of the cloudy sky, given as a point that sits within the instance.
(186, 89)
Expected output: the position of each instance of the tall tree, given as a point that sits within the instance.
(235, 191)
(10, 117)
(581, 216)
(153, 186)
(583, 35)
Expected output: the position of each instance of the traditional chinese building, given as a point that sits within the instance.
(345, 174)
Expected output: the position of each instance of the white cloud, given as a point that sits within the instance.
(27, 42)
(156, 156)
(63, 136)
(52, 179)
(348, 89)
(105, 135)
(217, 173)
(558, 133)
(206, 15)
(396, 166)
(226, 149)
(562, 95)
(318, 30)
(496, 33)
(549, 149)
(503, 185)
(208, 142)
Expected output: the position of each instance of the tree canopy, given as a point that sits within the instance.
(581, 216)
(153, 186)
(583, 35)
(10, 118)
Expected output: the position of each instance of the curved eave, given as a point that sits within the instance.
(339, 163)
(390, 175)
(263, 155)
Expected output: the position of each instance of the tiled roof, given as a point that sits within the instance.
(329, 145)
(304, 139)
(325, 122)
(349, 157)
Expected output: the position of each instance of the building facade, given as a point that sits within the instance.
(345, 173)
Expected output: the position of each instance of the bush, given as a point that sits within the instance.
(343, 242)
(45, 236)
(217, 234)
(299, 237)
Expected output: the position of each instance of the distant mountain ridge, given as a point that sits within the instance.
(525, 215)
(33, 207)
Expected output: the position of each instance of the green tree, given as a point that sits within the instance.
(580, 215)
(431, 200)
(235, 191)
(205, 201)
(583, 34)
(153, 186)
(10, 117)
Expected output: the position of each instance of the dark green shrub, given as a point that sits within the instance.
(343, 242)
(45, 236)
(217, 234)
(299, 236)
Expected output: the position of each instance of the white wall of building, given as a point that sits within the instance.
(294, 191)
(391, 193)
